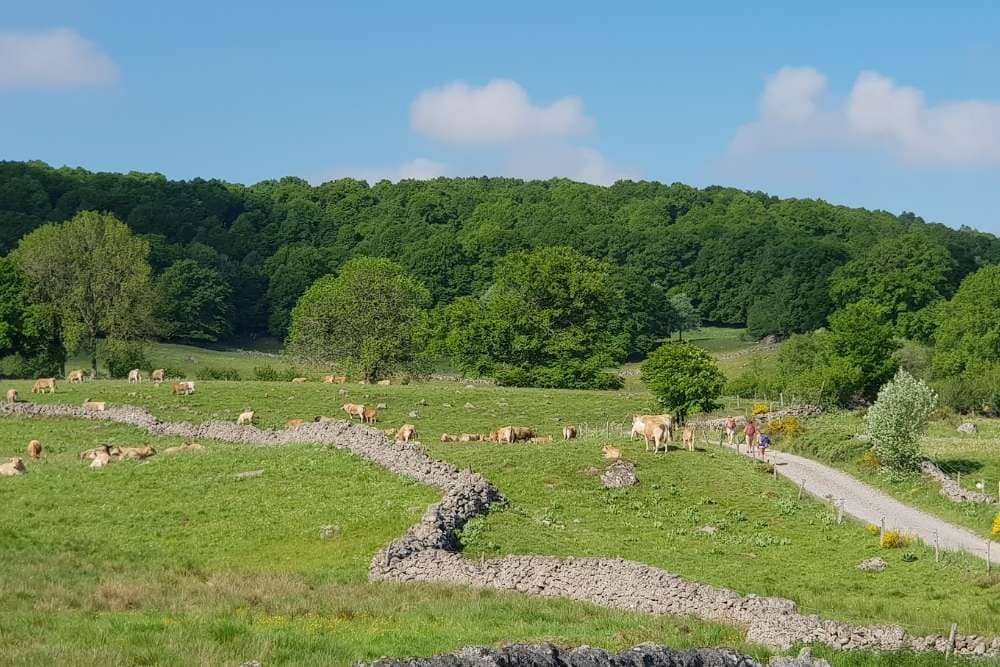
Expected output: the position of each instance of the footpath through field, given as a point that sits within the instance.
(871, 505)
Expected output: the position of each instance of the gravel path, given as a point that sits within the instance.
(870, 505)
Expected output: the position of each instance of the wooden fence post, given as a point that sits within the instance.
(840, 512)
(937, 547)
(881, 532)
(802, 488)
(988, 564)
(951, 640)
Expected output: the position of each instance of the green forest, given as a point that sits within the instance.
(479, 261)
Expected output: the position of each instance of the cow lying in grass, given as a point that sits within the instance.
(13, 467)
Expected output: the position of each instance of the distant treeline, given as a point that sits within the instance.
(780, 266)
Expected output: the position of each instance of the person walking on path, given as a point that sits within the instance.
(763, 442)
(730, 430)
(750, 433)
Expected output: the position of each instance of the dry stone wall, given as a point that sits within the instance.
(951, 489)
(428, 552)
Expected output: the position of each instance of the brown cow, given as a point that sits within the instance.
(406, 432)
(94, 406)
(354, 410)
(369, 415)
(470, 437)
(655, 432)
(14, 467)
(43, 384)
(245, 417)
(447, 437)
(182, 388)
(293, 423)
(35, 449)
(157, 375)
(569, 432)
(300, 380)
(522, 433)
(12, 395)
(688, 438)
(128, 453)
(611, 452)
(75, 377)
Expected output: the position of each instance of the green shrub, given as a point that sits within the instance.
(218, 373)
(121, 356)
(268, 373)
(898, 418)
(909, 557)
(683, 377)
(975, 391)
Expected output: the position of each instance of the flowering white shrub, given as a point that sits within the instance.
(898, 418)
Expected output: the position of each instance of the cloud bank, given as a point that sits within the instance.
(797, 109)
(58, 58)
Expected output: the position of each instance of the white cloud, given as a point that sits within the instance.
(498, 113)
(420, 169)
(58, 58)
(560, 160)
(877, 111)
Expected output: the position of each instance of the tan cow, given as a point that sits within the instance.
(35, 449)
(186, 447)
(300, 380)
(245, 417)
(340, 379)
(541, 440)
(447, 437)
(354, 410)
(157, 375)
(100, 459)
(91, 454)
(569, 432)
(44, 384)
(12, 395)
(182, 388)
(75, 377)
(406, 432)
(656, 433)
(611, 452)
(94, 406)
(293, 423)
(135, 453)
(639, 424)
(470, 437)
(135, 376)
(384, 383)
(327, 379)
(13, 467)
(369, 415)
(688, 438)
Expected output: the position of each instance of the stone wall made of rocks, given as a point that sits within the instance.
(800, 411)
(428, 550)
(951, 489)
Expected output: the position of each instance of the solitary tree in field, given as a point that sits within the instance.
(897, 420)
(362, 319)
(93, 274)
(683, 378)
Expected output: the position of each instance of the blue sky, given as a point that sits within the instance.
(895, 106)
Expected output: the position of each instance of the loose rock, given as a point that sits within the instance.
(872, 565)
(619, 474)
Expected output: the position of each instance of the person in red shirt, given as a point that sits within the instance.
(750, 433)
(730, 430)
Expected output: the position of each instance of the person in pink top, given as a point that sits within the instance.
(730, 430)
(750, 432)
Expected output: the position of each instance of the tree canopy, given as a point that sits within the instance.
(683, 377)
(195, 302)
(968, 330)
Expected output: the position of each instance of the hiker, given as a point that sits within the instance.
(750, 433)
(730, 430)
(763, 442)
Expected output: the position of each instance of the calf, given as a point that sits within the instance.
(611, 452)
(354, 410)
(182, 388)
(94, 406)
(35, 449)
(293, 423)
(369, 415)
(407, 432)
(135, 376)
(75, 377)
(100, 459)
(157, 375)
(44, 384)
(569, 432)
(688, 438)
(129, 453)
(245, 418)
(12, 395)
(13, 467)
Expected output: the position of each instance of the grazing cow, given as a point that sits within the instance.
(508, 434)
(384, 383)
(157, 375)
(569, 432)
(135, 376)
(655, 433)
(688, 438)
(369, 415)
(94, 406)
(44, 384)
(14, 467)
(611, 452)
(293, 423)
(639, 424)
(186, 447)
(245, 418)
(135, 453)
(300, 380)
(327, 379)
(541, 440)
(35, 449)
(182, 388)
(523, 433)
(406, 432)
(321, 419)
(447, 437)
(100, 459)
(354, 410)
(12, 395)
(470, 437)
(494, 436)
(75, 377)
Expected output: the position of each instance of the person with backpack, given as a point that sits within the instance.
(750, 434)
(763, 443)
(730, 430)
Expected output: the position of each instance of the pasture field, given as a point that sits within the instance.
(274, 589)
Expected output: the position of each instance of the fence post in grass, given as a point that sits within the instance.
(781, 398)
(959, 478)
(937, 547)
(988, 563)
(802, 488)
(775, 469)
(881, 532)
(737, 401)
(840, 512)
(951, 640)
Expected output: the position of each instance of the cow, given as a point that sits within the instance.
(43, 384)
(12, 395)
(157, 376)
(369, 415)
(384, 383)
(512, 434)
(136, 453)
(569, 432)
(300, 380)
(406, 432)
(687, 437)
(75, 377)
(182, 388)
(13, 467)
(327, 379)
(639, 424)
(523, 433)
(293, 423)
(541, 440)
(91, 454)
(340, 379)
(447, 437)
(244, 418)
(94, 406)
(494, 436)
(101, 459)
(354, 410)
(470, 437)
(35, 450)
(611, 452)
(135, 376)
(655, 432)
(186, 447)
